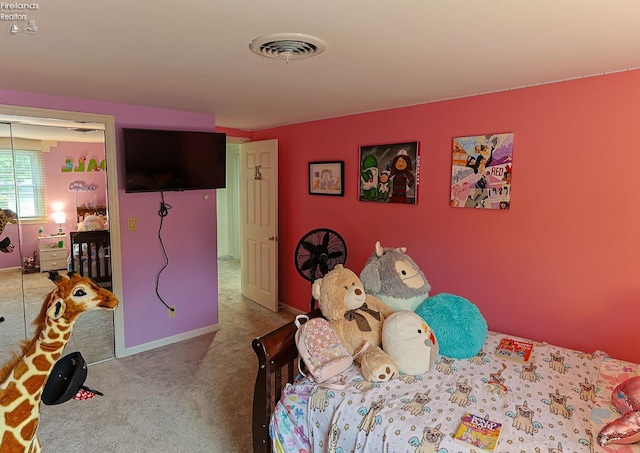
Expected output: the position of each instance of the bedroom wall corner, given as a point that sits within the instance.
(561, 265)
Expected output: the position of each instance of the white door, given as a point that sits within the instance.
(259, 219)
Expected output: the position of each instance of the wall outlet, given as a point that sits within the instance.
(172, 313)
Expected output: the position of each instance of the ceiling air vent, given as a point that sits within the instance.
(287, 46)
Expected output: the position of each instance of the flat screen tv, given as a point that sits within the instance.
(166, 160)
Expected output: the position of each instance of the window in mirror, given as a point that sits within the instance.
(22, 171)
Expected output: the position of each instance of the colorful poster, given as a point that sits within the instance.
(389, 173)
(481, 171)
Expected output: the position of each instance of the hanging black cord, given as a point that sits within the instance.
(163, 212)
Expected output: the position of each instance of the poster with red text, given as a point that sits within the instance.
(481, 171)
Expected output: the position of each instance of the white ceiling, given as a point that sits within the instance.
(194, 54)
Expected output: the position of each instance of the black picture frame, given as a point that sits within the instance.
(326, 178)
(389, 173)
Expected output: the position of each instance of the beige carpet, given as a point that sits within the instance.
(192, 396)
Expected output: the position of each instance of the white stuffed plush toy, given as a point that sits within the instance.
(410, 342)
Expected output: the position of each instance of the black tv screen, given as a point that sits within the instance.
(165, 160)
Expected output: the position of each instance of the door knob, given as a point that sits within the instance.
(270, 238)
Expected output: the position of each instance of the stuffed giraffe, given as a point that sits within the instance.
(7, 216)
(22, 380)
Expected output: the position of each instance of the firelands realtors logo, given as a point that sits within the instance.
(19, 16)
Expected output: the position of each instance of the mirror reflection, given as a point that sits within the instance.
(53, 177)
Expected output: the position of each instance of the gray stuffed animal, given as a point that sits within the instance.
(393, 277)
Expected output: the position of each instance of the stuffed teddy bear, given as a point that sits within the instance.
(393, 277)
(357, 318)
(410, 342)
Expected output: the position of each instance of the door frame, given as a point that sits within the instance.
(233, 199)
(112, 194)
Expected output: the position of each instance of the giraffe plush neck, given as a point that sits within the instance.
(22, 379)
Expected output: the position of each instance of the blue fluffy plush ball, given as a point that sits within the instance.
(460, 328)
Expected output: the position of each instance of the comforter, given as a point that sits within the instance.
(556, 402)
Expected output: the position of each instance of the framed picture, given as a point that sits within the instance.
(326, 178)
(481, 171)
(389, 173)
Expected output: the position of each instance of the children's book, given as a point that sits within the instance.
(478, 432)
(514, 349)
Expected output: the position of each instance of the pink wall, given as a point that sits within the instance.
(561, 265)
(94, 153)
(189, 232)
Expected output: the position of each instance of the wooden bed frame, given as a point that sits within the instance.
(277, 366)
(99, 270)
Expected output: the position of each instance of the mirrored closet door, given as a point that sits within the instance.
(53, 200)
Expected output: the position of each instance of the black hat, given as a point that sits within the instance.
(65, 380)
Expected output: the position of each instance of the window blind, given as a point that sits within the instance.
(22, 183)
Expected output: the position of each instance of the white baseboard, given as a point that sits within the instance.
(169, 340)
(10, 269)
(186, 336)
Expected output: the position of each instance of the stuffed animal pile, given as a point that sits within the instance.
(357, 319)
(393, 277)
(387, 316)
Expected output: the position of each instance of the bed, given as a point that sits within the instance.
(90, 255)
(557, 402)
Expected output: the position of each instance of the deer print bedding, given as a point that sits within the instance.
(557, 402)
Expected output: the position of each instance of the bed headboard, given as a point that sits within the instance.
(277, 352)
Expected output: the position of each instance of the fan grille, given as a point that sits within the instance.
(287, 46)
(318, 252)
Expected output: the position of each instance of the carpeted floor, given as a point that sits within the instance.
(192, 396)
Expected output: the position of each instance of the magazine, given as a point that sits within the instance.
(478, 432)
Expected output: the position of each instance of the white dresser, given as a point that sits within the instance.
(53, 252)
